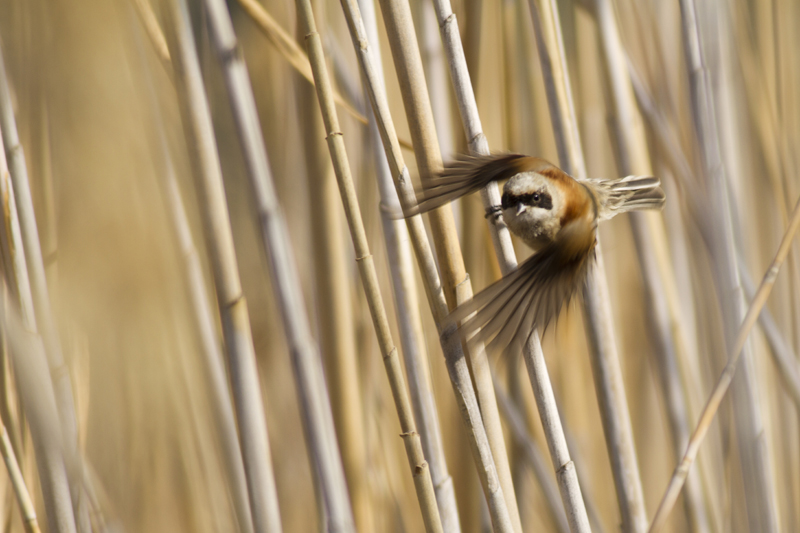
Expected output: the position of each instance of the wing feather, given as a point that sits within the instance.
(471, 173)
(505, 314)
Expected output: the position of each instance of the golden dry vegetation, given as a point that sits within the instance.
(704, 95)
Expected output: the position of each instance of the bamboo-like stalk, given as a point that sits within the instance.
(312, 390)
(609, 386)
(649, 238)
(726, 377)
(212, 364)
(335, 137)
(782, 352)
(34, 384)
(24, 501)
(334, 308)
(404, 286)
(501, 239)
(760, 493)
(36, 395)
(277, 36)
(62, 385)
(204, 158)
(688, 359)
(533, 456)
(397, 19)
(435, 69)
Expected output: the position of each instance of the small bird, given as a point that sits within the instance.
(553, 213)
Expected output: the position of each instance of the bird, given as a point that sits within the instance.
(553, 213)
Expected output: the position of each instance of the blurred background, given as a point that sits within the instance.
(95, 106)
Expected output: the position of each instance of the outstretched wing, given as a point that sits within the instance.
(505, 314)
(470, 173)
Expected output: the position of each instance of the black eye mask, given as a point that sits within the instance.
(535, 199)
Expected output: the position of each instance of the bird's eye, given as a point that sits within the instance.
(536, 197)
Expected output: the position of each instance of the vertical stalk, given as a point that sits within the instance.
(30, 365)
(726, 377)
(501, 239)
(599, 328)
(408, 311)
(759, 487)
(335, 313)
(314, 401)
(650, 239)
(204, 158)
(44, 314)
(26, 509)
(213, 358)
(397, 18)
(531, 453)
(369, 278)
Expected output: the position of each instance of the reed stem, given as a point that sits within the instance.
(26, 509)
(404, 287)
(334, 306)
(650, 239)
(759, 488)
(419, 467)
(609, 386)
(726, 377)
(62, 386)
(408, 64)
(211, 350)
(30, 365)
(504, 250)
(204, 159)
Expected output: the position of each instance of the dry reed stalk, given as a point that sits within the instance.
(781, 351)
(26, 508)
(533, 456)
(38, 400)
(397, 19)
(341, 165)
(49, 230)
(204, 158)
(724, 381)
(650, 242)
(689, 363)
(276, 35)
(760, 496)
(680, 246)
(334, 307)
(148, 19)
(8, 400)
(404, 287)
(501, 239)
(436, 78)
(44, 314)
(213, 358)
(316, 409)
(34, 384)
(609, 386)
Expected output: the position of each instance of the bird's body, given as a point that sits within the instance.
(553, 213)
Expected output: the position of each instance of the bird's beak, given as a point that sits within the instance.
(520, 208)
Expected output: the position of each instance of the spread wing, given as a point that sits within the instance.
(505, 314)
(470, 173)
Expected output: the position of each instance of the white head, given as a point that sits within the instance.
(532, 207)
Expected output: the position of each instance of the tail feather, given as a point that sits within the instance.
(633, 193)
(636, 183)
